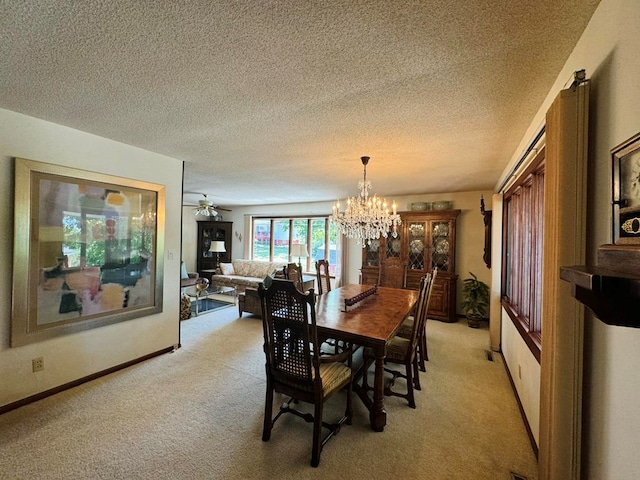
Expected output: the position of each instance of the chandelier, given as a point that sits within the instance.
(366, 218)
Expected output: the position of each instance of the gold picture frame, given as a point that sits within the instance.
(87, 250)
(626, 192)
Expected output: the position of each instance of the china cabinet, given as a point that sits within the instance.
(207, 233)
(426, 239)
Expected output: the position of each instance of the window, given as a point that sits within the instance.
(522, 265)
(273, 236)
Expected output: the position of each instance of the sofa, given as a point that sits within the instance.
(245, 273)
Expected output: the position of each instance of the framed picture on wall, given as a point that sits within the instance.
(626, 192)
(86, 250)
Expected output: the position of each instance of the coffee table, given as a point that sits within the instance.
(193, 293)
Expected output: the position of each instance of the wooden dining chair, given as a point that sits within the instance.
(322, 276)
(407, 326)
(294, 365)
(324, 286)
(403, 351)
(294, 274)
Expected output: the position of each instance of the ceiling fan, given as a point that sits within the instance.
(206, 208)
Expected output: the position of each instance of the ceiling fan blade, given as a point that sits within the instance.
(205, 207)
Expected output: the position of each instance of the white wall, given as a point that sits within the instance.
(75, 356)
(525, 373)
(189, 237)
(608, 50)
(469, 230)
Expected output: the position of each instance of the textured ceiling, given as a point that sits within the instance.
(276, 101)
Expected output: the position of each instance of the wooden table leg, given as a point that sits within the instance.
(377, 414)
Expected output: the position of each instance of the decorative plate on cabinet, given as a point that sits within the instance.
(416, 230)
(442, 246)
(441, 229)
(396, 246)
(416, 246)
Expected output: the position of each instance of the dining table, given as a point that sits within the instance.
(371, 321)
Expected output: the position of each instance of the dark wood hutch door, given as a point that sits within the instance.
(426, 240)
(207, 233)
(370, 271)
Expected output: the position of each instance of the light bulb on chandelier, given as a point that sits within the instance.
(365, 218)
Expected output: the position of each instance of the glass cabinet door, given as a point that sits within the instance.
(205, 243)
(416, 257)
(371, 254)
(209, 232)
(212, 234)
(440, 245)
(393, 247)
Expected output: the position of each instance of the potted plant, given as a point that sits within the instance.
(475, 300)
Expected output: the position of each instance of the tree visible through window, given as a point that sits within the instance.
(272, 238)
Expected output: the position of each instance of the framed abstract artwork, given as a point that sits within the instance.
(626, 192)
(87, 250)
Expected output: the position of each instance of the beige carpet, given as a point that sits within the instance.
(197, 414)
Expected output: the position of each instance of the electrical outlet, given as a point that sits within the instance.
(37, 364)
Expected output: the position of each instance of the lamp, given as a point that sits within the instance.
(217, 247)
(365, 218)
(299, 250)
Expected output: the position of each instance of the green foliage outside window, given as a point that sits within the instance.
(311, 231)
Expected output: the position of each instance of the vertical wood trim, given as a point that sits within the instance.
(495, 309)
(563, 318)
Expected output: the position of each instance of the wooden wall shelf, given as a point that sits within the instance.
(611, 289)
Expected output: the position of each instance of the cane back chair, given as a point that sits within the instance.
(323, 278)
(294, 273)
(294, 366)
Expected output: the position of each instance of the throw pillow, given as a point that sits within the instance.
(226, 268)
(183, 270)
